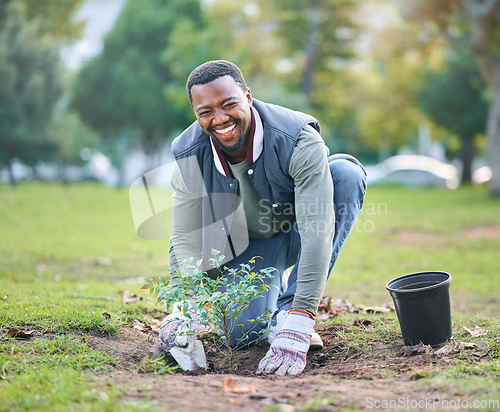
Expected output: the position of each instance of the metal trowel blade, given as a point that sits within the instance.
(191, 357)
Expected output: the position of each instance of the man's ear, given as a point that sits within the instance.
(248, 95)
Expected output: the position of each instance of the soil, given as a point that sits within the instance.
(334, 377)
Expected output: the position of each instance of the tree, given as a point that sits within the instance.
(224, 27)
(123, 88)
(55, 16)
(71, 136)
(296, 53)
(30, 87)
(454, 99)
(387, 115)
(384, 79)
(475, 23)
(318, 39)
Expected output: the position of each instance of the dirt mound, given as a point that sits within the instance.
(337, 375)
(131, 347)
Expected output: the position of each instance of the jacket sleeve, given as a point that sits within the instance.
(315, 217)
(185, 241)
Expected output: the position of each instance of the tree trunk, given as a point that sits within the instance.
(12, 178)
(467, 156)
(311, 50)
(484, 17)
(493, 129)
(63, 175)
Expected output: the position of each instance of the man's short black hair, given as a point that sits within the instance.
(211, 71)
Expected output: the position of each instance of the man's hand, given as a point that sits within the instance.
(179, 333)
(288, 351)
(178, 330)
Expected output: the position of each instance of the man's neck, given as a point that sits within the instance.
(239, 156)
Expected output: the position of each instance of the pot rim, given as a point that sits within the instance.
(409, 275)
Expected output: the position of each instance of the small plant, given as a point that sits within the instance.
(217, 304)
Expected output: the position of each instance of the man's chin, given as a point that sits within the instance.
(231, 149)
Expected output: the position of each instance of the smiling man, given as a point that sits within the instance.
(299, 205)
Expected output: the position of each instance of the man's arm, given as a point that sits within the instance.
(186, 240)
(315, 217)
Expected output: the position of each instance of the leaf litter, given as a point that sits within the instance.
(329, 308)
(477, 331)
(20, 334)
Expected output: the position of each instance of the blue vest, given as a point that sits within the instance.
(268, 174)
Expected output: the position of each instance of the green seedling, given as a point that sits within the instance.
(216, 304)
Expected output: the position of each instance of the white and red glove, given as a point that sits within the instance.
(179, 333)
(178, 330)
(288, 351)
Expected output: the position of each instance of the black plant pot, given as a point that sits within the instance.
(422, 302)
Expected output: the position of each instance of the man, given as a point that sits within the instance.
(299, 205)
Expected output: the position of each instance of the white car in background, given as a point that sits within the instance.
(414, 170)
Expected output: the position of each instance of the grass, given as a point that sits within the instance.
(403, 231)
(54, 280)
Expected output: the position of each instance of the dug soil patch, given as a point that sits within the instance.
(339, 375)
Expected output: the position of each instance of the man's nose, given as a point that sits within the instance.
(220, 117)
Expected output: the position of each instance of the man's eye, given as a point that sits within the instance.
(202, 114)
(230, 105)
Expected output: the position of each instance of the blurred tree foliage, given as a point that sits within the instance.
(71, 136)
(55, 16)
(388, 74)
(29, 88)
(455, 99)
(122, 89)
(474, 24)
(295, 54)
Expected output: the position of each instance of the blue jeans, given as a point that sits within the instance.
(282, 250)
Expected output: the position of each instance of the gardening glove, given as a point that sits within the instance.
(276, 325)
(179, 333)
(287, 354)
(178, 330)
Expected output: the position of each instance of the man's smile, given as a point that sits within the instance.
(225, 132)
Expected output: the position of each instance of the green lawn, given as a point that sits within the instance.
(403, 231)
(53, 278)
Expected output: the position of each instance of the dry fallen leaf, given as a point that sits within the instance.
(137, 324)
(325, 304)
(414, 350)
(130, 297)
(231, 386)
(328, 310)
(20, 334)
(476, 332)
(466, 345)
(378, 309)
(447, 349)
(155, 325)
(362, 322)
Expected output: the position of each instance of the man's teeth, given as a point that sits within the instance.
(226, 130)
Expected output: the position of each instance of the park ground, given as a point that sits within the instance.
(77, 332)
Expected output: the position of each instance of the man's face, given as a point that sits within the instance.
(223, 111)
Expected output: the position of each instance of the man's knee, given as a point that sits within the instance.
(348, 172)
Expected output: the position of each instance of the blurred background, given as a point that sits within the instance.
(95, 89)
